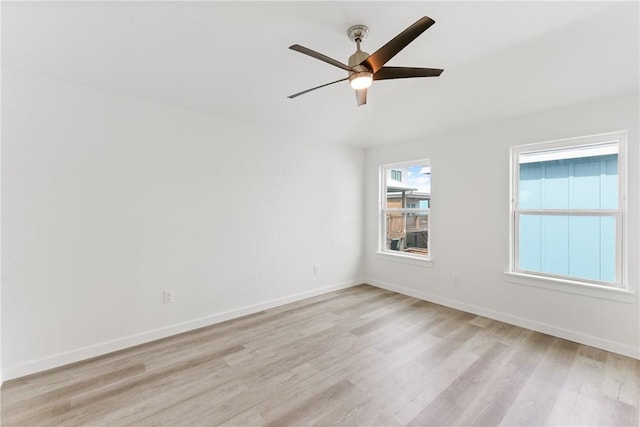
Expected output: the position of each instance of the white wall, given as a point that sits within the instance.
(109, 200)
(470, 225)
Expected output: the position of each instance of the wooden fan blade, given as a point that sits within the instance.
(361, 96)
(381, 56)
(321, 57)
(386, 73)
(314, 88)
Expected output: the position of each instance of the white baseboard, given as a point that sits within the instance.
(579, 337)
(56, 360)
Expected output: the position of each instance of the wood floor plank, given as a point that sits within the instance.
(585, 394)
(361, 356)
(537, 399)
(618, 384)
(490, 406)
(448, 405)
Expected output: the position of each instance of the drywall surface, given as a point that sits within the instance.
(109, 200)
(470, 225)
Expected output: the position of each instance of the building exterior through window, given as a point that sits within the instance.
(406, 204)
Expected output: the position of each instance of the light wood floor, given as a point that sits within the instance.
(361, 356)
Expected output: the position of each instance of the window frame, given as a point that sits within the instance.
(620, 213)
(383, 211)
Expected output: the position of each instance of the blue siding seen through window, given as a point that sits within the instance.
(569, 245)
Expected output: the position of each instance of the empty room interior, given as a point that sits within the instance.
(320, 213)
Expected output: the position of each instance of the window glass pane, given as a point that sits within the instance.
(554, 250)
(530, 242)
(530, 186)
(569, 179)
(609, 184)
(581, 247)
(555, 185)
(408, 232)
(408, 186)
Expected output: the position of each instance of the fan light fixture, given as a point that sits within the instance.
(361, 80)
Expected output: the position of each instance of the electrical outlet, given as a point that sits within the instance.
(456, 279)
(316, 269)
(167, 297)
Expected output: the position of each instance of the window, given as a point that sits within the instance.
(568, 209)
(405, 209)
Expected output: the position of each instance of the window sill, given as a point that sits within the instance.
(405, 259)
(572, 287)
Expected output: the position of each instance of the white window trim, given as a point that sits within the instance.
(620, 290)
(386, 254)
(404, 258)
(571, 286)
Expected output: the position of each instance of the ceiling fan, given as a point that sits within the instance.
(364, 68)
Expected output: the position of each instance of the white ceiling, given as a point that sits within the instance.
(231, 59)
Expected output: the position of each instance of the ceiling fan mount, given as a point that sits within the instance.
(358, 32)
(364, 68)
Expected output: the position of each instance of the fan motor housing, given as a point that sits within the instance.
(357, 58)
